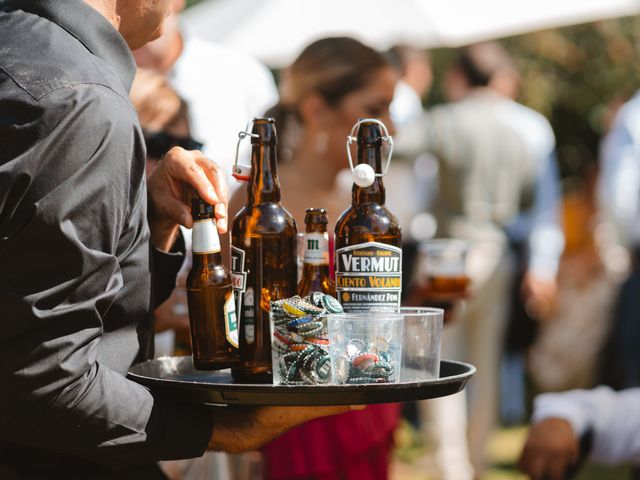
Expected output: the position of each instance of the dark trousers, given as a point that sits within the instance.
(621, 367)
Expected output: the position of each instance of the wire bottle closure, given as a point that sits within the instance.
(363, 174)
(241, 172)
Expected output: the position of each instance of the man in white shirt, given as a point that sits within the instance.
(497, 184)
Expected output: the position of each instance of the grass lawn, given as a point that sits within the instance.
(504, 448)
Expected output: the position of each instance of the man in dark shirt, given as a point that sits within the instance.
(77, 246)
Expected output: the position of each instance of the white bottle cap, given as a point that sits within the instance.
(363, 175)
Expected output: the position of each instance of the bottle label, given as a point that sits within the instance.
(230, 321)
(238, 278)
(369, 277)
(316, 248)
(205, 237)
(249, 322)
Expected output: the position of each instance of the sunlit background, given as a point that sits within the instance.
(578, 63)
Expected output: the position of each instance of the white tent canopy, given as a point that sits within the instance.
(275, 31)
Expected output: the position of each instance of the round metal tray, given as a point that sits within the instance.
(176, 376)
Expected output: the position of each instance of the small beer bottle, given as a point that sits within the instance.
(315, 268)
(368, 237)
(212, 312)
(263, 255)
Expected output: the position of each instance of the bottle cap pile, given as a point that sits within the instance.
(300, 342)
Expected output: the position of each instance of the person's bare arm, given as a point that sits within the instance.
(241, 429)
(551, 448)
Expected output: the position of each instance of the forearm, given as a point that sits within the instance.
(241, 429)
(546, 240)
(613, 417)
(163, 231)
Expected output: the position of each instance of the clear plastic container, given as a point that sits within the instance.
(365, 347)
(300, 350)
(357, 348)
(421, 343)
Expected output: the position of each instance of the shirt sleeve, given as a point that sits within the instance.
(546, 240)
(614, 418)
(619, 181)
(416, 137)
(68, 194)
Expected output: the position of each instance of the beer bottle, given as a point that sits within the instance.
(368, 253)
(263, 255)
(212, 312)
(315, 268)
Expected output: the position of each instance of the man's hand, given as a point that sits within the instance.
(550, 449)
(240, 429)
(167, 185)
(539, 294)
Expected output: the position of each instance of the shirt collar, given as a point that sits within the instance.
(91, 28)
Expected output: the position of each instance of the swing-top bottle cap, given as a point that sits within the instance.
(363, 175)
(367, 132)
(263, 132)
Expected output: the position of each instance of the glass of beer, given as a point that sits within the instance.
(441, 278)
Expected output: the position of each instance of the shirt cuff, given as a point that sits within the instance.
(166, 266)
(186, 429)
(562, 405)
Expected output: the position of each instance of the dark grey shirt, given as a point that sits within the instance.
(75, 260)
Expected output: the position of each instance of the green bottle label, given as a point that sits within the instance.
(231, 321)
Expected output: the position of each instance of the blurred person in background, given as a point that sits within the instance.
(332, 83)
(600, 425)
(498, 186)
(414, 186)
(560, 420)
(619, 195)
(223, 87)
(416, 76)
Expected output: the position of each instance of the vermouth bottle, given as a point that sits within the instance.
(368, 237)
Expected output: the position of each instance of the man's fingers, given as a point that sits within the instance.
(221, 217)
(183, 165)
(217, 178)
(215, 174)
(170, 207)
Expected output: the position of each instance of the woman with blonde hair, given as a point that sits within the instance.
(333, 83)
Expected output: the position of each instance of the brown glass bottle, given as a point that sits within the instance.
(212, 312)
(368, 237)
(315, 267)
(263, 256)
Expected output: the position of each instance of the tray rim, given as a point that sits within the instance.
(174, 384)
